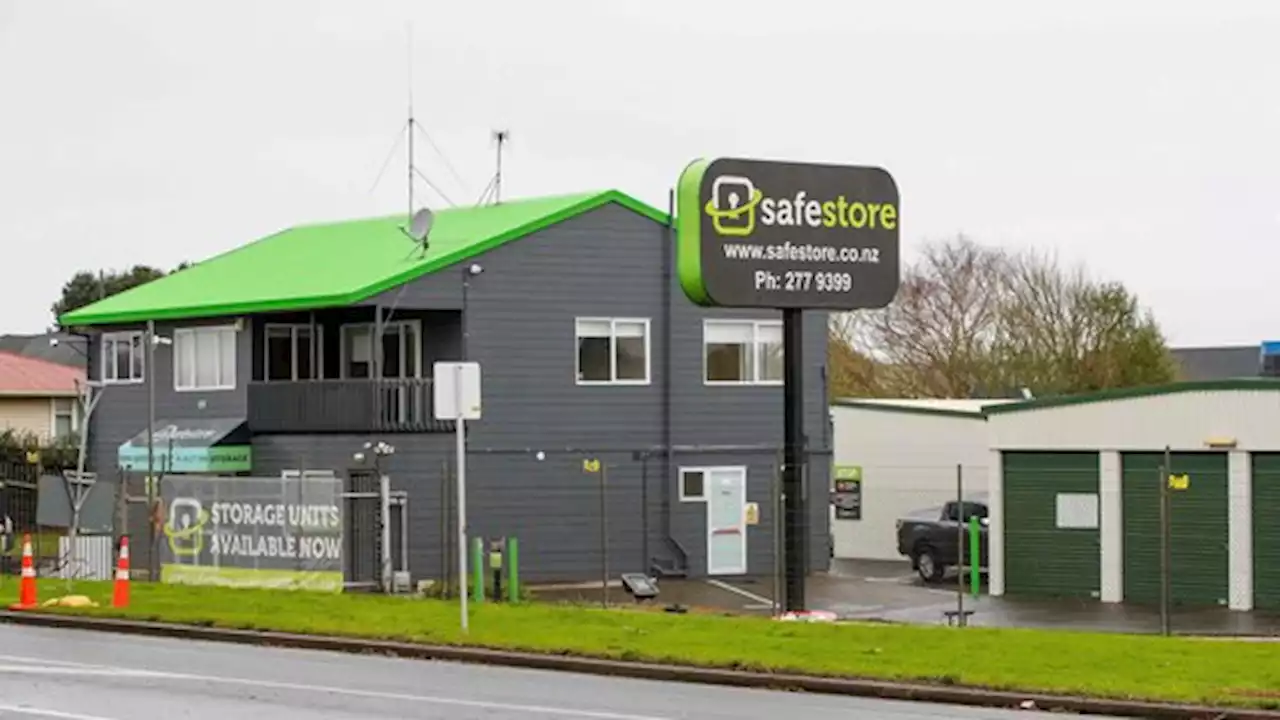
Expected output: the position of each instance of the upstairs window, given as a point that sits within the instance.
(613, 351)
(122, 358)
(204, 358)
(742, 352)
(292, 352)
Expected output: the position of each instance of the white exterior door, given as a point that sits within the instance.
(726, 521)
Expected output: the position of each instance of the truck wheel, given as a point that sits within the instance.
(927, 565)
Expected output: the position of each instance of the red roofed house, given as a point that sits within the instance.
(38, 397)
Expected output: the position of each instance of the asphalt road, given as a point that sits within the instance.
(77, 675)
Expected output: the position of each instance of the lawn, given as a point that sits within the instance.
(1101, 665)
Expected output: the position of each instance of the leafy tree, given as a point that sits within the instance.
(85, 287)
(974, 321)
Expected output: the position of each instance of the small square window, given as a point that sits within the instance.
(693, 485)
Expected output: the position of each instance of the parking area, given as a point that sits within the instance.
(892, 592)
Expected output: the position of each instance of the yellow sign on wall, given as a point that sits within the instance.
(1179, 482)
(591, 465)
(753, 513)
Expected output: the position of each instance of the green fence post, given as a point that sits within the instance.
(513, 571)
(974, 557)
(477, 570)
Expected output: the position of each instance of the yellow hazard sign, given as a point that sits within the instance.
(1179, 482)
(591, 465)
(753, 513)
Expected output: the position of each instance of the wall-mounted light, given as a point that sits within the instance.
(475, 269)
(1220, 443)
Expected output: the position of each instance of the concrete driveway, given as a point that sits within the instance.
(892, 592)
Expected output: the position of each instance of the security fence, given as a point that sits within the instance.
(275, 522)
(586, 516)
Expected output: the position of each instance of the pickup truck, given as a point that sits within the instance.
(930, 538)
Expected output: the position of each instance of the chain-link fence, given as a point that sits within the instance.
(1067, 540)
(585, 517)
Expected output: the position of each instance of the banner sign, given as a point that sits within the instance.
(192, 445)
(283, 533)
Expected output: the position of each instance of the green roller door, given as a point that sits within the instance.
(1266, 531)
(1050, 550)
(1197, 529)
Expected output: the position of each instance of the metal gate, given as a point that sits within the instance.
(19, 498)
(363, 551)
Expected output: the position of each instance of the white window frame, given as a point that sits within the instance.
(110, 340)
(374, 345)
(753, 347)
(699, 469)
(317, 340)
(613, 351)
(53, 416)
(190, 332)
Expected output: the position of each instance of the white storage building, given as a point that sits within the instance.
(906, 454)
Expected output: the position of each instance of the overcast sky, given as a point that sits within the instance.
(1142, 138)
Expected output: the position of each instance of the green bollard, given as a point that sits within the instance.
(477, 570)
(513, 570)
(975, 577)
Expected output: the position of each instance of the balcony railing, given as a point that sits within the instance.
(355, 406)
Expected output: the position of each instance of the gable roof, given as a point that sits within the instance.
(28, 376)
(336, 264)
(65, 352)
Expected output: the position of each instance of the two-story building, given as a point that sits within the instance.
(294, 351)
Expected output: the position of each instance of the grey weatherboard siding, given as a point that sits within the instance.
(519, 324)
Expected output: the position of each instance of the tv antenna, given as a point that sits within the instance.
(420, 220)
(494, 188)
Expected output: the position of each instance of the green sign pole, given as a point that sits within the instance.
(974, 558)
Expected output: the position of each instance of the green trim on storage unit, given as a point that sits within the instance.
(909, 409)
(1041, 559)
(1266, 531)
(337, 264)
(1137, 392)
(1198, 529)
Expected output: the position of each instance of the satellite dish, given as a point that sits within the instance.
(420, 226)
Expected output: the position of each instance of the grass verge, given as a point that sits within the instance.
(1215, 672)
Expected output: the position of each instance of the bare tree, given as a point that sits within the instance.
(973, 321)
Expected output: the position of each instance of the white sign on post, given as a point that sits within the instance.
(457, 385)
(457, 398)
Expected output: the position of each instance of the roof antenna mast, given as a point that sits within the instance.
(420, 221)
(410, 173)
(501, 137)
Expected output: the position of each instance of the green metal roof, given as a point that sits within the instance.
(337, 264)
(1226, 385)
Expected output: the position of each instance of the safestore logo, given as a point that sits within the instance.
(736, 205)
(732, 207)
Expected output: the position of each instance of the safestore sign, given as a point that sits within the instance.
(787, 235)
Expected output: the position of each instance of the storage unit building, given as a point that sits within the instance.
(904, 453)
(1075, 487)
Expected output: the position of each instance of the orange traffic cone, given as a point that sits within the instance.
(121, 596)
(27, 588)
